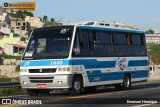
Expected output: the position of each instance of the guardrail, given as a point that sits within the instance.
(9, 84)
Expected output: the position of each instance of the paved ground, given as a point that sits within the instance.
(155, 77)
(109, 97)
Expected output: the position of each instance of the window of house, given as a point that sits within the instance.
(19, 24)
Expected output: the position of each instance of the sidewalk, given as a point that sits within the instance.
(155, 77)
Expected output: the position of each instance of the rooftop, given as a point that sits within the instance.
(18, 46)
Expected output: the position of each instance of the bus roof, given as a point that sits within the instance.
(108, 29)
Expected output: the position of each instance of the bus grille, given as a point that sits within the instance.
(41, 79)
(51, 70)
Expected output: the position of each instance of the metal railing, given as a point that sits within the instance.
(9, 84)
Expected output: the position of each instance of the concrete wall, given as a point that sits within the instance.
(154, 69)
(5, 30)
(10, 39)
(8, 49)
(37, 24)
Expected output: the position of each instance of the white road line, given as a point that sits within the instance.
(142, 105)
(13, 96)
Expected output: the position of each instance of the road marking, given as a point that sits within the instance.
(142, 105)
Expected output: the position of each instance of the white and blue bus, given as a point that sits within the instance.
(83, 57)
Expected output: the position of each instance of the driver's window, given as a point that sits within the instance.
(76, 46)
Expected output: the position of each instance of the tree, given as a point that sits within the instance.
(52, 20)
(40, 18)
(25, 13)
(45, 18)
(150, 31)
(19, 13)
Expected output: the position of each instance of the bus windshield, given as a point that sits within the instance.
(49, 43)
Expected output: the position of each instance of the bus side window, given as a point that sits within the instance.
(84, 44)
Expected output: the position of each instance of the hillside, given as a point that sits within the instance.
(154, 54)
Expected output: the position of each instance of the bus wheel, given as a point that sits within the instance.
(127, 82)
(32, 92)
(77, 85)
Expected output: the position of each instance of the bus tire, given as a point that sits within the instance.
(32, 92)
(77, 86)
(127, 82)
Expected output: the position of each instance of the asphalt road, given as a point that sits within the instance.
(139, 93)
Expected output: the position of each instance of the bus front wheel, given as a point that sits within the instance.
(77, 86)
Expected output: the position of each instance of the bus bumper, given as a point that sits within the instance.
(46, 82)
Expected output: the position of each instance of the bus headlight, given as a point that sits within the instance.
(23, 70)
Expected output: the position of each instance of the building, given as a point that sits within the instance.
(2, 15)
(153, 38)
(4, 22)
(34, 21)
(20, 27)
(9, 39)
(13, 49)
(156, 31)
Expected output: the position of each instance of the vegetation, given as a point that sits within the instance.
(6, 79)
(154, 54)
(18, 68)
(12, 91)
(45, 18)
(15, 35)
(150, 31)
(48, 23)
(21, 14)
(12, 57)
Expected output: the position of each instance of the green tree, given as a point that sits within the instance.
(19, 14)
(45, 18)
(150, 31)
(25, 13)
(40, 18)
(52, 20)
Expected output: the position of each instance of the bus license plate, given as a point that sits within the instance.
(41, 86)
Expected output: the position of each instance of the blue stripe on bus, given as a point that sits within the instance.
(132, 63)
(97, 76)
(109, 29)
(93, 63)
(88, 63)
(44, 63)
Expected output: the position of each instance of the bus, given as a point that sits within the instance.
(81, 57)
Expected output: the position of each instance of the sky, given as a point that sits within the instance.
(144, 14)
